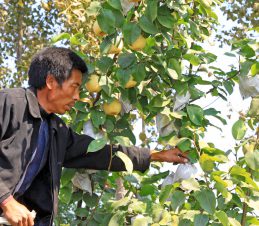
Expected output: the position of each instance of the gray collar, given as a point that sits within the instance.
(33, 103)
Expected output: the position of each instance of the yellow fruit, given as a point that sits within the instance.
(97, 30)
(116, 48)
(113, 108)
(139, 44)
(93, 84)
(131, 83)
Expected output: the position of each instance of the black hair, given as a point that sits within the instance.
(57, 61)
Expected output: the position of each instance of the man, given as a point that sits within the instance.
(35, 143)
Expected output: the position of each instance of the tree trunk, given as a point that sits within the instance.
(19, 41)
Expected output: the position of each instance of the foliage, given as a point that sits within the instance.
(243, 16)
(172, 65)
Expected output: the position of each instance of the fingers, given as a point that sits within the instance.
(30, 220)
(180, 157)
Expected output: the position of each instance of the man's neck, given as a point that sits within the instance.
(43, 101)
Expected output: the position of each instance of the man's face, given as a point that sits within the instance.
(62, 98)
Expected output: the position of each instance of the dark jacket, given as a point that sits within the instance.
(20, 119)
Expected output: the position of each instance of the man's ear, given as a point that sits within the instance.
(51, 82)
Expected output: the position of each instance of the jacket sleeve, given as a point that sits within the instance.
(5, 118)
(77, 156)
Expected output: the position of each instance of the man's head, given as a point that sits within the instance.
(57, 73)
(56, 61)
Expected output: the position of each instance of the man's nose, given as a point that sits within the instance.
(76, 96)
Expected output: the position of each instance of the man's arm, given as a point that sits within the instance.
(100, 160)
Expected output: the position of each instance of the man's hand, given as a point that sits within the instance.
(171, 155)
(17, 214)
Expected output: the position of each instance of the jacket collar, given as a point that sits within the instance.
(34, 107)
(33, 103)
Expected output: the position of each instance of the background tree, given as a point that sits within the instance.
(243, 15)
(26, 27)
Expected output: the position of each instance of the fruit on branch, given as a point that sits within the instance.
(131, 83)
(113, 108)
(138, 44)
(92, 85)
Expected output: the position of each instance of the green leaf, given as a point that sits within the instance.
(223, 218)
(137, 206)
(90, 200)
(78, 39)
(255, 69)
(116, 4)
(66, 193)
(195, 114)
(104, 64)
(245, 67)
(106, 20)
(126, 59)
(193, 59)
(206, 199)
(67, 175)
(209, 57)
(165, 17)
(151, 10)
(98, 118)
(239, 129)
(230, 54)
(123, 76)
(124, 141)
(247, 51)
(117, 219)
(97, 145)
(147, 26)
(252, 159)
(59, 37)
(127, 161)
(147, 189)
(228, 86)
(154, 178)
(122, 202)
(184, 144)
(178, 199)
(81, 212)
(174, 64)
(201, 220)
(140, 73)
(164, 194)
(131, 32)
(185, 222)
